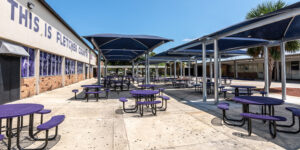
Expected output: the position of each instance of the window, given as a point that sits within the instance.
(27, 63)
(50, 65)
(70, 66)
(79, 67)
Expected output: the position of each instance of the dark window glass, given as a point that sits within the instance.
(53, 58)
(41, 63)
(31, 62)
(45, 66)
(24, 66)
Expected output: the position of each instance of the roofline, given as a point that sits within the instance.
(45, 4)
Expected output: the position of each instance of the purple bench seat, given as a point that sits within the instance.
(263, 117)
(272, 121)
(295, 111)
(44, 111)
(164, 97)
(151, 103)
(223, 106)
(123, 99)
(53, 122)
(1, 137)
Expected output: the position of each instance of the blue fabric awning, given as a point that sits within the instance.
(227, 43)
(119, 47)
(286, 25)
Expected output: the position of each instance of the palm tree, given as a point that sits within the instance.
(274, 52)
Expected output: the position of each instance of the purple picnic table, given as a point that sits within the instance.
(237, 87)
(10, 111)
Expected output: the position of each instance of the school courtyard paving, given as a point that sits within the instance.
(187, 124)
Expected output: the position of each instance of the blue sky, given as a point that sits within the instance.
(180, 20)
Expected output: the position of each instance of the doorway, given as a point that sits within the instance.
(9, 78)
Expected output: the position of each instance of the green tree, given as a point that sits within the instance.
(273, 52)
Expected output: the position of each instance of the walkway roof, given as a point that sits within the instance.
(119, 47)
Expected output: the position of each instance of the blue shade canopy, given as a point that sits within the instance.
(227, 43)
(283, 24)
(119, 47)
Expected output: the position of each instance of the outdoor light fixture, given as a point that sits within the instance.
(30, 5)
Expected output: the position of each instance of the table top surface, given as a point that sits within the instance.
(242, 86)
(144, 92)
(17, 110)
(92, 86)
(258, 100)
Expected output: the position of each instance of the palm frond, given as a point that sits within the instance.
(265, 8)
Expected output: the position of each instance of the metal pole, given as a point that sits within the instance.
(181, 69)
(132, 72)
(105, 72)
(189, 68)
(235, 69)
(204, 91)
(266, 70)
(137, 70)
(175, 69)
(277, 71)
(196, 70)
(283, 70)
(220, 70)
(210, 68)
(216, 71)
(165, 70)
(170, 69)
(99, 67)
(146, 68)
(156, 71)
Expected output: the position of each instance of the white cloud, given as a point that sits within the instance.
(187, 40)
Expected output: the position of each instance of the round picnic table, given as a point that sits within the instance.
(237, 87)
(10, 111)
(246, 101)
(148, 95)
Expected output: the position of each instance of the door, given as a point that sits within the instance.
(9, 79)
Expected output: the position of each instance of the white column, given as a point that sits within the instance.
(37, 70)
(170, 69)
(105, 72)
(156, 71)
(189, 68)
(277, 71)
(210, 68)
(266, 70)
(165, 70)
(181, 69)
(220, 70)
(76, 73)
(283, 70)
(216, 68)
(175, 70)
(99, 67)
(196, 70)
(204, 85)
(235, 70)
(132, 69)
(63, 70)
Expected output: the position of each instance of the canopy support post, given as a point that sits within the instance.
(189, 68)
(170, 69)
(147, 67)
(166, 70)
(132, 68)
(196, 70)
(99, 60)
(266, 69)
(156, 72)
(105, 72)
(210, 68)
(220, 70)
(175, 69)
(277, 71)
(283, 70)
(235, 70)
(204, 90)
(216, 68)
(181, 69)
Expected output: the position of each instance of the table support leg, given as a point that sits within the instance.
(9, 132)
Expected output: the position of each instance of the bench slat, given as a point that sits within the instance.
(53, 122)
(263, 117)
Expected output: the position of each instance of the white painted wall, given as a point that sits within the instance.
(36, 33)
